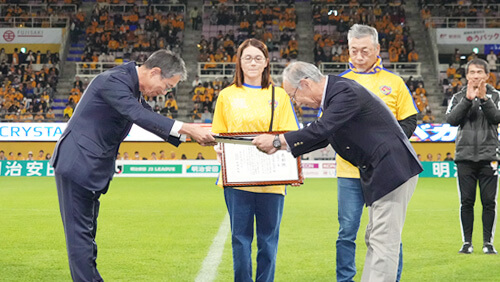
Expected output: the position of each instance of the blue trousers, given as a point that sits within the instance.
(351, 204)
(267, 209)
(79, 209)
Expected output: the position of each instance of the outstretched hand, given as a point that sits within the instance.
(199, 134)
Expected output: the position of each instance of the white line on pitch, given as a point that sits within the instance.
(209, 267)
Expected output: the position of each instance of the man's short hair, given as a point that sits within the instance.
(477, 62)
(296, 71)
(170, 63)
(360, 31)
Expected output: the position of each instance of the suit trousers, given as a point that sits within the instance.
(469, 174)
(79, 210)
(351, 203)
(383, 233)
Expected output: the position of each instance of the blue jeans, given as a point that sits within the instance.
(267, 209)
(350, 201)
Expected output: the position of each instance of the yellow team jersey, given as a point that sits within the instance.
(391, 89)
(248, 109)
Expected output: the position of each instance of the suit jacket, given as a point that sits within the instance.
(362, 130)
(112, 102)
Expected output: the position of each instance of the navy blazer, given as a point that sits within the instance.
(112, 102)
(362, 130)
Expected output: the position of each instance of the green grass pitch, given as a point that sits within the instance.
(153, 229)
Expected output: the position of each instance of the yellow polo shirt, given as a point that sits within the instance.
(248, 109)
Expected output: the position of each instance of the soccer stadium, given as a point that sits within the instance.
(166, 215)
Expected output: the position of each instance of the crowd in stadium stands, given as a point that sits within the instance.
(461, 13)
(204, 97)
(28, 83)
(225, 26)
(332, 22)
(132, 34)
(419, 94)
(53, 13)
(19, 157)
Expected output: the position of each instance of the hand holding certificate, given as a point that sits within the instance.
(242, 163)
(242, 140)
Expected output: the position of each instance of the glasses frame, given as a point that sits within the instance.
(258, 59)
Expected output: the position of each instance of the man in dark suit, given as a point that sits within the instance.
(84, 157)
(362, 130)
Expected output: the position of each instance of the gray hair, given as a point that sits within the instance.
(296, 71)
(170, 63)
(360, 31)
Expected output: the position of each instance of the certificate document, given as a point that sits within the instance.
(244, 165)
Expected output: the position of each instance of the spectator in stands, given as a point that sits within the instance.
(3, 56)
(206, 116)
(30, 156)
(39, 117)
(492, 61)
(195, 18)
(207, 104)
(196, 112)
(68, 111)
(492, 79)
(413, 56)
(438, 157)
(471, 56)
(41, 155)
(428, 117)
(2, 156)
(171, 106)
(448, 158)
(366, 68)
(172, 156)
(448, 94)
(429, 158)
(15, 57)
(252, 88)
(451, 71)
(420, 89)
(50, 116)
(196, 82)
(153, 156)
(162, 155)
(78, 84)
(20, 157)
(136, 155)
(200, 156)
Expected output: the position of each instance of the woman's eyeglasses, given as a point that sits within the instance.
(257, 59)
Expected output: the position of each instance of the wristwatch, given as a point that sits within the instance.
(277, 142)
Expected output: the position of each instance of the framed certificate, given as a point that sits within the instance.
(245, 165)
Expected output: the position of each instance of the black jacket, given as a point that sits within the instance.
(362, 130)
(477, 121)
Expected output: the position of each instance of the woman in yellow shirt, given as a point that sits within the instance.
(245, 106)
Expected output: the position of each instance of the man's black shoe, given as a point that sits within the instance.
(489, 249)
(466, 248)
